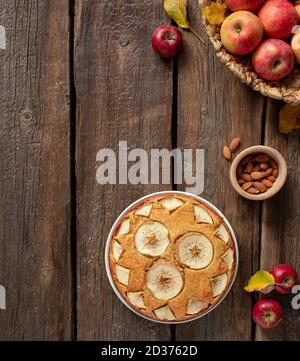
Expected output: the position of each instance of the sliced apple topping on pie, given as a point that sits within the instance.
(172, 257)
(164, 280)
(152, 239)
(172, 203)
(219, 284)
(144, 210)
(195, 306)
(164, 313)
(222, 233)
(228, 258)
(117, 250)
(202, 216)
(195, 250)
(136, 299)
(124, 228)
(122, 274)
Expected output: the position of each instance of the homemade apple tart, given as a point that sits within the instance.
(172, 257)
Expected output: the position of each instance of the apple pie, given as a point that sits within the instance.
(172, 257)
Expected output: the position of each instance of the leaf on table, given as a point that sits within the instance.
(289, 119)
(176, 9)
(214, 13)
(261, 281)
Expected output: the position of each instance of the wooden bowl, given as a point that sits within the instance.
(278, 184)
(287, 90)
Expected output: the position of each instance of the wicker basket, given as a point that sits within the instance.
(287, 90)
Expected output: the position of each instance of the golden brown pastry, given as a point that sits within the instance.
(172, 257)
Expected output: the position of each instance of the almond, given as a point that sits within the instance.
(275, 173)
(249, 167)
(271, 179)
(241, 181)
(262, 158)
(268, 172)
(235, 143)
(264, 166)
(260, 186)
(246, 177)
(267, 183)
(240, 170)
(226, 153)
(273, 164)
(257, 168)
(252, 190)
(246, 185)
(246, 160)
(257, 175)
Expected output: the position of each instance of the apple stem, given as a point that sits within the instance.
(281, 285)
(198, 36)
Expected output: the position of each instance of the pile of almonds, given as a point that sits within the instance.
(257, 173)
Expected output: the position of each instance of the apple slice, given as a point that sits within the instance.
(124, 228)
(144, 210)
(122, 274)
(219, 284)
(195, 306)
(117, 250)
(172, 203)
(202, 216)
(222, 233)
(136, 299)
(228, 258)
(164, 313)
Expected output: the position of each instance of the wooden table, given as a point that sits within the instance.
(79, 76)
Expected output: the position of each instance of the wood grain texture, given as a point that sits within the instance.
(281, 223)
(35, 171)
(124, 93)
(213, 108)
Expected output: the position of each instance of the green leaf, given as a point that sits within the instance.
(261, 281)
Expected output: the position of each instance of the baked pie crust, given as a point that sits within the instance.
(172, 257)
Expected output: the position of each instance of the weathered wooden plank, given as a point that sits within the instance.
(280, 223)
(124, 93)
(35, 171)
(213, 107)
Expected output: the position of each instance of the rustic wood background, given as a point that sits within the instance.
(78, 76)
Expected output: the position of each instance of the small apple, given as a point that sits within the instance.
(248, 5)
(167, 41)
(273, 59)
(286, 276)
(241, 32)
(295, 44)
(267, 313)
(278, 18)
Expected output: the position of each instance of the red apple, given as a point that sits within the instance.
(167, 40)
(278, 18)
(273, 60)
(241, 32)
(286, 276)
(295, 44)
(248, 5)
(267, 313)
